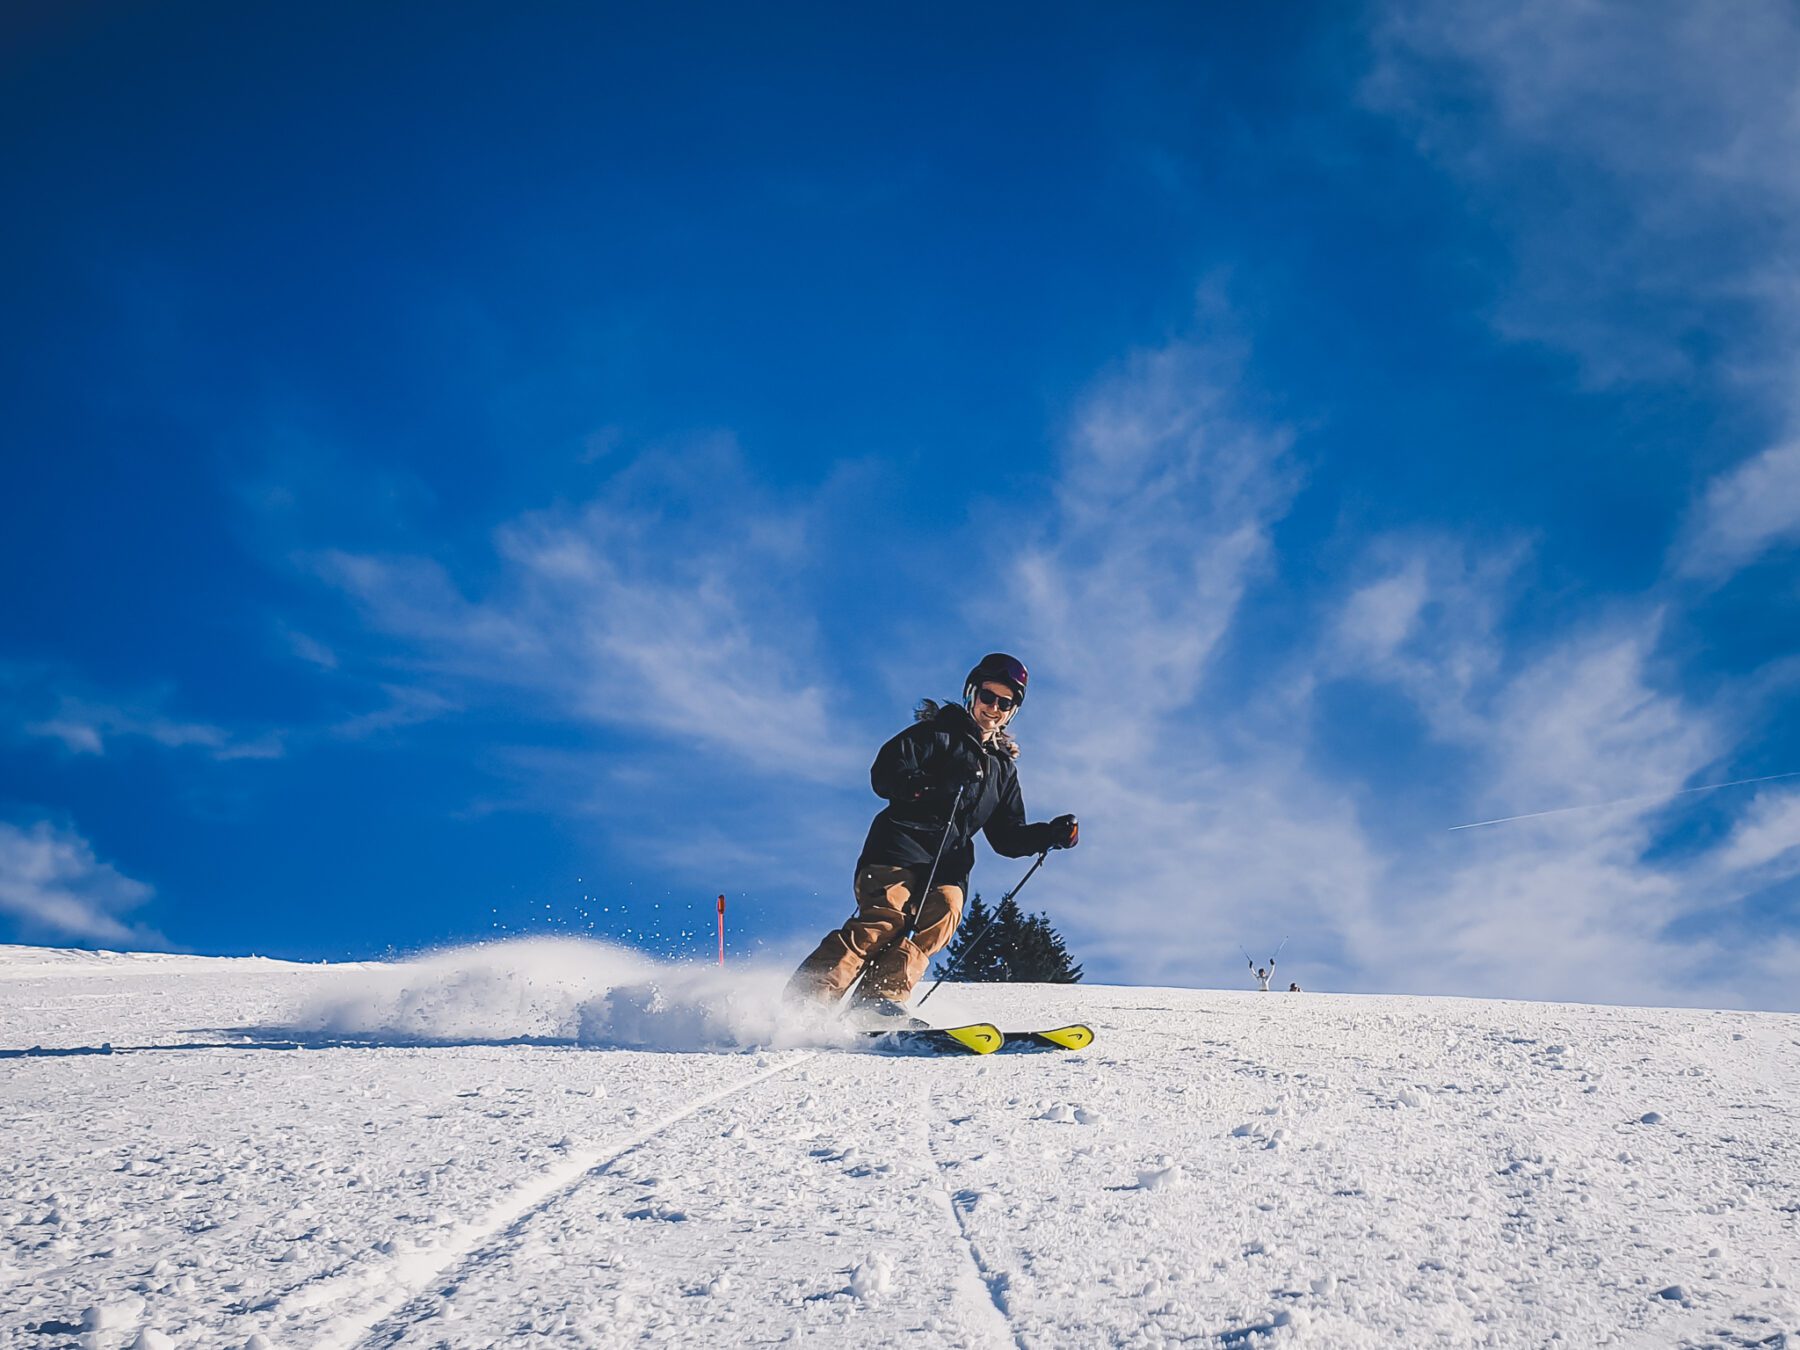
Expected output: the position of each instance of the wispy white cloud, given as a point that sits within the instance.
(1584, 904)
(1423, 612)
(51, 703)
(672, 609)
(1643, 162)
(1586, 721)
(1163, 518)
(1381, 616)
(1569, 906)
(406, 706)
(310, 649)
(1210, 817)
(78, 737)
(1765, 842)
(37, 702)
(1642, 165)
(86, 727)
(1644, 159)
(54, 888)
(1745, 512)
(661, 607)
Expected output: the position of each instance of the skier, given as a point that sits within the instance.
(1294, 987)
(946, 777)
(1263, 975)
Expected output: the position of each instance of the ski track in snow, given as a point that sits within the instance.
(479, 1241)
(1221, 1169)
(805, 1212)
(989, 1281)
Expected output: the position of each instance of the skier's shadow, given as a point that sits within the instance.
(288, 1040)
(1241, 1338)
(291, 1039)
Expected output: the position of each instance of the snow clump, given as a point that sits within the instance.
(120, 1316)
(1164, 1174)
(873, 1278)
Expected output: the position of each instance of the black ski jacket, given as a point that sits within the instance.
(909, 771)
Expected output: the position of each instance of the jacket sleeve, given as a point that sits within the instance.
(898, 773)
(1006, 829)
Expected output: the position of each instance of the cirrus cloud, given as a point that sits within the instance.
(53, 887)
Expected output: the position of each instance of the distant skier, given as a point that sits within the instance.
(948, 750)
(1294, 987)
(1263, 974)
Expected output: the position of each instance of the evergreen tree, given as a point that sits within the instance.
(1041, 956)
(983, 965)
(1006, 944)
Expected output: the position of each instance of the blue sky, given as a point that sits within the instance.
(474, 472)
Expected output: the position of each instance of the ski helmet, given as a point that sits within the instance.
(996, 666)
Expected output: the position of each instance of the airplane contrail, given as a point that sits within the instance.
(1626, 801)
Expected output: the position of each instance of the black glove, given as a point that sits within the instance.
(956, 774)
(942, 778)
(1065, 831)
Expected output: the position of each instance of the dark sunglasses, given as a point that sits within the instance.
(993, 700)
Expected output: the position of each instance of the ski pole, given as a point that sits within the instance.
(930, 877)
(969, 950)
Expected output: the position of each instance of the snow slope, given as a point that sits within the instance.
(561, 1143)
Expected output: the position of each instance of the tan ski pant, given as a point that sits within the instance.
(885, 897)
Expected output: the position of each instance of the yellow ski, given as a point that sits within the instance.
(977, 1038)
(1075, 1037)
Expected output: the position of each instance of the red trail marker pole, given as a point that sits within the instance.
(721, 930)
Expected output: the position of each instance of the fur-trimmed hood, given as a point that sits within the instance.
(1002, 742)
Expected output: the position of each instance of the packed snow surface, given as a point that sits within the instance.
(562, 1143)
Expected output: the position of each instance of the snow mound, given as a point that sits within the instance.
(1162, 1175)
(560, 990)
(119, 1316)
(873, 1278)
